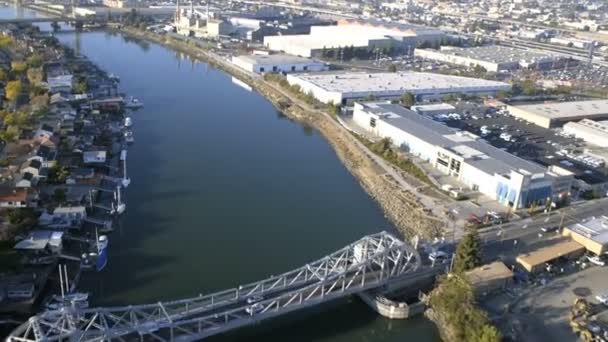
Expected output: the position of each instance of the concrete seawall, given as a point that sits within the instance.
(391, 309)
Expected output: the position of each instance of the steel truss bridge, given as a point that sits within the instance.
(368, 263)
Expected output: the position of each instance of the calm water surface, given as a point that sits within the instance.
(225, 190)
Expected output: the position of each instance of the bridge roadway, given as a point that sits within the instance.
(371, 262)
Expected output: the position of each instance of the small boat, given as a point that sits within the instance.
(78, 300)
(129, 137)
(133, 103)
(128, 122)
(102, 242)
(114, 78)
(121, 208)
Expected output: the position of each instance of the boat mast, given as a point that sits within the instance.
(61, 281)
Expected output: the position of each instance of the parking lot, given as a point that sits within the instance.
(540, 313)
(528, 141)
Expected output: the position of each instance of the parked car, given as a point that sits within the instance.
(549, 229)
(602, 298)
(596, 260)
(438, 257)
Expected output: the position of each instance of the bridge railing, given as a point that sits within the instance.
(367, 263)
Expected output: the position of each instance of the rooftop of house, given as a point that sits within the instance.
(13, 195)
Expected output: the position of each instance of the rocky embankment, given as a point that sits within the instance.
(400, 206)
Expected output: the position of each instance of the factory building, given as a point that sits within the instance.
(342, 88)
(593, 132)
(556, 114)
(493, 58)
(324, 38)
(501, 176)
(277, 63)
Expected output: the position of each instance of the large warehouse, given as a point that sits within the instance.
(492, 58)
(501, 176)
(332, 37)
(340, 88)
(593, 132)
(556, 114)
(277, 63)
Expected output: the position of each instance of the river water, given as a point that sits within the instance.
(225, 190)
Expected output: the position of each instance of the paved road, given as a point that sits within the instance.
(500, 240)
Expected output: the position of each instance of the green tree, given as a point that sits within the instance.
(528, 87)
(12, 90)
(332, 109)
(392, 68)
(468, 253)
(34, 61)
(80, 87)
(5, 41)
(10, 134)
(34, 75)
(18, 67)
(59, 195)
(479, 70)
(3, 75)
(407, 99)
(57, 174)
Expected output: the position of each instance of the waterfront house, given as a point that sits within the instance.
(13, 198)
(25, 180)
(45, 131)
(32, 166)
(94, 157)
(41, 242)
(60, 83)
(64, 217)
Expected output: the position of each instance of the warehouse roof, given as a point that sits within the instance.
(275, 59)
(595, 229)
(497, 54)
(489, 272)
(476, 152)
(566, 110)
(397, 81)
(540, 256)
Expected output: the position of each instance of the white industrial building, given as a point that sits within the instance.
(502, 176)
(556, 114)
(492, 58)
(333, 37)
(340, 88)
(361, 34)
(593, 132)
(260, 64)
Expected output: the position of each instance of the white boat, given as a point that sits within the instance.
(133, 103)
(78, 300)
(129, 137)
(120, 205)
(128, 122)
(125, 180)
(102, 242)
